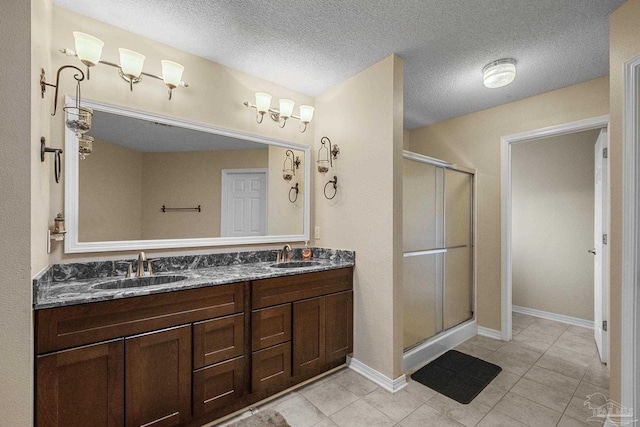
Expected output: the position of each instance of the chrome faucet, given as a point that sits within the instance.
(286, 253)
(142, 258)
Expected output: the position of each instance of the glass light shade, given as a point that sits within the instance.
(286, 107)
(79, 119)
(287, 174)
(171, 73)
(263, 102)
(306, 113)
(85, 146)
(323, 166)
(499, 73)
(131, 62)
(88, 48)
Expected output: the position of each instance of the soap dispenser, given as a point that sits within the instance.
(306, 251)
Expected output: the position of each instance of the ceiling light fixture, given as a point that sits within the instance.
(89, 51)
(282, 114)
(499, 73)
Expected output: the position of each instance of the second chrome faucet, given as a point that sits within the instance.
(284, 255)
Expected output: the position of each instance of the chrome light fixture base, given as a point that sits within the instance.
(132, 79)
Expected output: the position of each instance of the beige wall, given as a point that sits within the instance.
(473, 140)
(624, 46)
(363, 115)
(23, 197)
(553, 216)
(189, 179)
(283, 216)
(215, 97)
(110, 194)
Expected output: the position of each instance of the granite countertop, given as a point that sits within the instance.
(70, 284)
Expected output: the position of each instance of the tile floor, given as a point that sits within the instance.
(549, 369)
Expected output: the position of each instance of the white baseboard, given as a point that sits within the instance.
(429, 350)
(553, 316)
(490, 333)
(375, 376)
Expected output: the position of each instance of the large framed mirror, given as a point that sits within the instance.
(153, 182)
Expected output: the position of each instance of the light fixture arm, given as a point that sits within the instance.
(43, 83)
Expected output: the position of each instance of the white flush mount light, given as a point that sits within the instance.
(499, 73)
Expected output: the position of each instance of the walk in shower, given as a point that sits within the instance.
(438, 244)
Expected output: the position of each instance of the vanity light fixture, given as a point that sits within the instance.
(291, 163)
(499, 73)
(89, 50)
(281, 114)
(326, 155)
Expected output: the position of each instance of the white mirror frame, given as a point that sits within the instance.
(71, 178)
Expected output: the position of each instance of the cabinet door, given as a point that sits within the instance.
(339, 338)
(308, 336)
(218, 385)
(158, 378)
(82, 386)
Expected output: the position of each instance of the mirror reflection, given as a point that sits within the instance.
(148, 180)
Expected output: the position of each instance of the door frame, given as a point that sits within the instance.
(224, 220)
(506, 188)
(630, 333)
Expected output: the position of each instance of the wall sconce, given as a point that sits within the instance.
(281, 114)
(78, 117)
(293, 163)
(89, 51)
(326, 155)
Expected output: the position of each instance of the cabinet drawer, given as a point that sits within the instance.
(271, 326)
(217, 340)
(65, 327)
(271, 368)
(301, 286)
(218, 385)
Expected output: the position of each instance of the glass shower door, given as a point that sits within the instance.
(458, 285)
(438, 249)
(423, 219)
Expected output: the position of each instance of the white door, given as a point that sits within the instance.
(244, 203)
(600, 276)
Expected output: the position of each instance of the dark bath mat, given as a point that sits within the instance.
(457, 375)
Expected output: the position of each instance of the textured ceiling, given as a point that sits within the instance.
(311, 45)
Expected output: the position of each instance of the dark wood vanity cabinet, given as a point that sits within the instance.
(189, 357)
(143, 375)
(309, 332)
